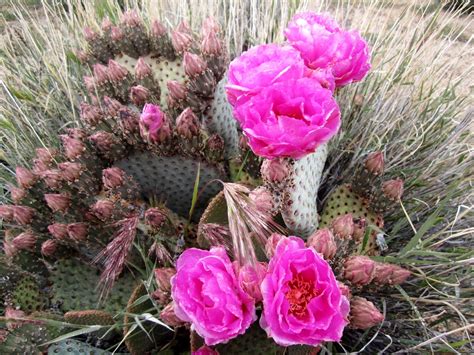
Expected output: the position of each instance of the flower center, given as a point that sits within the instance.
(300, 293)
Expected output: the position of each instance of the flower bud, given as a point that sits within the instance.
(160, 252)
(6, 212)
(17, 194)
(116, 34)
(343, 226)
(205, 350)
(393, 189)
(106, 24)
(104, 141)
(58, 230)
(323, 242)
(130, 18)
(168, 316)
(90, 114)
(215, 143)
(73, 148)
(155, 218)
(58, 202)
(24, 241)
(113, 177)
(211, 45)
(271, 244)
(8, 249)
(163, 278)
(48, 248)
(82, 56)
(158, 30)
(46, 155)
(76, 133)
(12, 313)
(359, 229)
(210, 25)
(113, 106)
(139, 95)
(101, 73)
(142, 69)
(103, 209)
(364, 314)
(193, 64)
(250, 278)
(345, 290)
(116, 71)
(375, 163)
(176, 90)
(262, 199)
(24, 177)
(89, 34)
(77, 231)
(359, 270)
(187, 124)
(276, 170)
(181, 41)
(70, 171)
(389, 274)
(23, 215)
(89, 83)
(52, 178)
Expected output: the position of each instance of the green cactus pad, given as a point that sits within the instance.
(75, 288)
(219, 119)
(138, 342)
(254, 341)
(26, 339)
(27, 295)
(74, 347)
(167, 70)
(171, 180)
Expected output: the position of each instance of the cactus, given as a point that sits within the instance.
(74, 347)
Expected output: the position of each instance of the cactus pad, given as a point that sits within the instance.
(74, 347)
(75, 288)
(27, 295)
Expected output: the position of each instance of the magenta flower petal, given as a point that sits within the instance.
(207, 293)
(302, 303)
(151, 120)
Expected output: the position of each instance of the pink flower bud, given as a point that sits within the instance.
(23, 215)
(181, 41)
(90, 114)
(210, 25)
(113, 106)
(157, 29)
(359, 270)
(359, 229)
(393, 189)
(116, 34)
(131, 18)
(211, 45)
(52, 178)
(154, 217)
(183, 26)
(389, 274)
(82, 56)
(323, 242)
(193, 64)
(364, 314)
(48, 248)
(276, 170)
(101, 73)
(76, 133)
(139, 95)
(142, 69)
(77, 231)
(187, 124)
(250, 278)
(73, 148)
(153, 124)
(168, 316)
(17, 194)
(58, 230)
(106, 24)
(205, 350)
(58, 202)
(6, 212)
(163, 278)
(104, 141)
(272, 243)
(24, 177)
(70, 171)
(262, 199)
(8, 249)
(162, 255)
(89, 34)
(343, 226)
(375, 163)
(345, 290)
(103, 209)
(116, 71)
(46, 155)
(176, 90)
(113, 177)
(24, 241)
(89, 83)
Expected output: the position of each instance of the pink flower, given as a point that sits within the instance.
(323, 44)
(205, 350)
(151, 120)
(302, 303)
(289, 119)
(207, 294)
(260, 67)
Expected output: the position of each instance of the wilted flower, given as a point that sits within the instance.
(364, 314)
(359, 270)
(113, 177)
(25, 240)
(393, 189)
(22, 214)
(151, 122)
(207, 276)
(116, 71)
(154, 217)
(375, 163)
(289, 119)
(163, 277)
(259, 67)
(24, 177)
(302, 302)
(58, 230)
(103, 209)
(73, 147)
(77, 231)
(139, 94)
(57, 202)
(323, 242)
(390, 274)
(17, 194)
(52, 178)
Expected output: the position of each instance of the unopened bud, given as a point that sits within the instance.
(276, 170)
(359, 270)
(89, 34)
(163, 278)
(187, 124)
(77, 231)
(90, 114)
(393, 189)
(193, 64)
(6, 212)
(158, 30)
(113, 106)
(176, 90)
(343, 226)
(272, 242)
(181, 41)
(89, 83)
(103, 209)
(205, 350)
(364, 314)
(104, 141)
(389, 274)
(52, 178)
(24, 241)
(58, 230)
(345, 290)
(210, 25)
(116, 34)
(76, 133)
(130, 18)
(262, 199)
(101, 73)
(139, 95)
(17, 194)
(168, 316)
(142, 69)
(13, 314)
(46, 155)
(58, 202)
(211, 45)
(70, 171)
(375, 163)
(106, 24)
(323, 242)
(116, 71)
(250, 278)
(113, 177)
(23, 215)
(24, 177)
(73, 148)
(8, 249)
(82, 56)
(48, 248)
